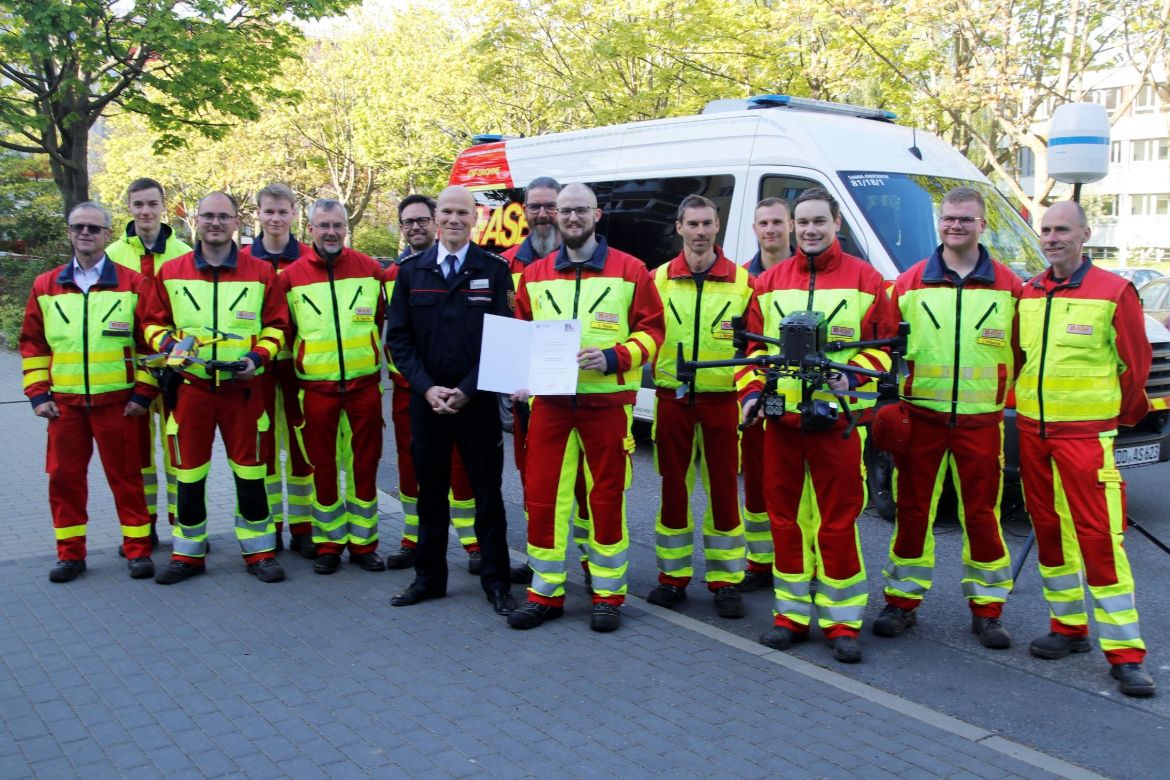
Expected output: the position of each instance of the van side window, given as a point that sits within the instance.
(790, 188)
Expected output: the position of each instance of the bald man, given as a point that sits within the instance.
(435, 326)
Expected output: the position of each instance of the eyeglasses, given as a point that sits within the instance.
(536, 208)
(329, 225)
(580, 211)
(85, 227)
(207, 217)
(964, 221)
(420, 221)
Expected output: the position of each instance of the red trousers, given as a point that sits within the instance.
(757, 529)
(322, 418)
(284, 418)
(71, 438)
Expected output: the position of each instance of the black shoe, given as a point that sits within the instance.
(266, 570)
(521, 574)
(66, 571)
(279, 542)
(846, 649)
(532, 614)
(402, 559)
(303, 544)
(893, 621)
(991, 633)
(728, 603)
(474, 561)
(754, 580)
(369, 561)
(502, 602)
(1133, 680)
(1056, 646)
(782, 637)
(140, 568)
(669, 596)
(327, 563)
(606, 617)
(177, 571)
(413, 595)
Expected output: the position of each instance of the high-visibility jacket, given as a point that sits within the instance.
(698, 317)
(132, 253)
(614, 298)
(1086, 356)
(852, 296)
(337, 310)
(294, 250)
(961, 351)
(239, 297)
(519, 257)
(79, 348)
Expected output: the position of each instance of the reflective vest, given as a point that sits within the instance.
(337, 335)
(699, 319)
(294, 250)
(132, 253)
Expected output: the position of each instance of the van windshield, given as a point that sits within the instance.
(903, 211)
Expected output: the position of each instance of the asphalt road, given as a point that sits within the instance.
(1068, 708)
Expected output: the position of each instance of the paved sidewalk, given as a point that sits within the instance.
(224, 676)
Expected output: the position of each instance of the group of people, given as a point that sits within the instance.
(280, 346)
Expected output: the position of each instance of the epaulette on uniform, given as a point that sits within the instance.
(501, 258)
(402, 260)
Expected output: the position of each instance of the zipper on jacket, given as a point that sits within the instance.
(61, 311)
(337, 329)
(191, 298)
(214, 320)
(841, 305)
(695, 335)
(548, 295)
(576, 299)
(719, 316)
(355, 297)
(930, 314)
(812, 281)
(239, 298)
(955, 367)
(1043, 358)
(112, 309)
(987, 314)
(674, 311)
(776, 306)
(85, 344)
(307, 300)
(599, 300)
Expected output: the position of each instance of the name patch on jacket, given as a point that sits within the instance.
(115, 328)
(840, 333)
(478, 284)
(992, 337)
(245, 315)
(725, 330)
(1080, 330)
(363, 314)
(603, 320)
(480, 298)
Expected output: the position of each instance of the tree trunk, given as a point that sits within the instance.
(72, 175)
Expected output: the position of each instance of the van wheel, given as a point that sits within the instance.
(879, 478)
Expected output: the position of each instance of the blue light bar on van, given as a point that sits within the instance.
(491, 138)
(825, 106)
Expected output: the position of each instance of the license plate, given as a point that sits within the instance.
(1137, 456)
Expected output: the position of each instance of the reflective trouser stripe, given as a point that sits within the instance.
(757, 533)
(299, 492)
(330, 523)
(74, 531)
(463, 518)
(190, 540)
(409, 516)
(674, 548)
(151, 422)
(134, 531)
(1075, 497)
(363, 521)
(255, 536)
(757, 527)
(273, 487)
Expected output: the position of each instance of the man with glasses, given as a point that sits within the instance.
(416, 223)
(961, 306)
(82, 330)
(147, 244)
(335, 302)
(229, 304)
(612, 296)
(277, 209)
(434, 333)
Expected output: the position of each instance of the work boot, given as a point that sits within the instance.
(327, 563)
(521, 574)
(669, 596)
(782, 637)
(177, 571)
(1056, 646)
(846, 649)
(474, 561)
(728, 603)
(402, 559)
(754, 580)
(303, 544)
(893, 621)
(266, 570)
(532, 614)
(1133, 679)
(369, 561)
(140, 568)
(991, 633)
(606, 617)
(66, 571)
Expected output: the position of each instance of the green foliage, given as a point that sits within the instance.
(375, 240)
(30, 208)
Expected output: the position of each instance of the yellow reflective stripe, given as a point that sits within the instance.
(72, 358)
(74, 531)
(106, 378)
(645, 344)
(32, 377)
(317, 347)
(144, 377)
(136, 531)
(927, 371)
(38, 361)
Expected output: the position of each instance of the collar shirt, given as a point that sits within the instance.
(444, 253)
(85, 279)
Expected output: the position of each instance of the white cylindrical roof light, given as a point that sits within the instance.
(1078, 143)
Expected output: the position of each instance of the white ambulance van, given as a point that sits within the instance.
(889, 180)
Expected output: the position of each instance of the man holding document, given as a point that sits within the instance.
(434, 334)
(610, 298)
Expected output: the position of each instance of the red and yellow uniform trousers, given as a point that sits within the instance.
(613, 297)
(238, 297)
(960, 359)
(1086, 364)
(337, 309)
(701, 423)
(816, 481)
(757, 529)
(131, 252)
(78, 350)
